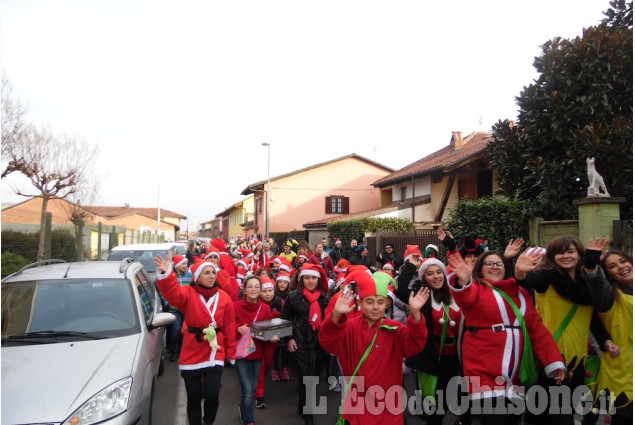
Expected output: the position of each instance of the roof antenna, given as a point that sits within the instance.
(66, 274)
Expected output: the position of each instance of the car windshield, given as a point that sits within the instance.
(89, 308)
(145, 257)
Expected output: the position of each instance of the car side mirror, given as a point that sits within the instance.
(161, 319)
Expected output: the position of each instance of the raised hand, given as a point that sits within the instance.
(513, 247)
(415, 302)
(558, 375)
(163, 264)
(458, 265)
(594, 251)
(343, 304)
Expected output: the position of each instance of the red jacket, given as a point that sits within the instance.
(227, 284)
(198, 314)
(487, 353)
(349, 339)
(246, 314)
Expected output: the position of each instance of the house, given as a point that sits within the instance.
(211, 229)
(426, 190)
(238, 219)
(100, 222)
(333, 188)
(160, 220)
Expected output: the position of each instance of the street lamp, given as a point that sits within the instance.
(268, 145)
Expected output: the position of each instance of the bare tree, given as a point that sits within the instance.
(12, 122)
(56, 166)
(77, 211)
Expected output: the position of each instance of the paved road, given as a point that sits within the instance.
(170, 400)
(281, 399)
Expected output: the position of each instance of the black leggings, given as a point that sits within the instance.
(202, 384)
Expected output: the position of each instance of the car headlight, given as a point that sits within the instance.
(109, 402)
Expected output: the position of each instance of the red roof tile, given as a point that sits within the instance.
(440, 160)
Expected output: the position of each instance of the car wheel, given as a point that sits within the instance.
(161, 364)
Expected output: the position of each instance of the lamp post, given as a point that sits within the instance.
(268, 145)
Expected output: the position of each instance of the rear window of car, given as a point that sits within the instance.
(145, 257)
(97, 307)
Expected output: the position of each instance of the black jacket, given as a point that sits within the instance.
(428, 359)
(296, 309)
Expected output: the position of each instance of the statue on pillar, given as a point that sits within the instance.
(596, 182)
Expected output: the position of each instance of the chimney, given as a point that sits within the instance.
(456, 142)
(127, 206)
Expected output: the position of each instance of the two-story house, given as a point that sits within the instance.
(426, 190)
(333, 188)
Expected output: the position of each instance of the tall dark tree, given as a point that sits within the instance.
(581, 105)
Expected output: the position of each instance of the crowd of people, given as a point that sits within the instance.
(502, 322)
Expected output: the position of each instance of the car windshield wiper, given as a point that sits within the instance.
(52, 334)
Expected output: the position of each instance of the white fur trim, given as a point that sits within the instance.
(309, 273)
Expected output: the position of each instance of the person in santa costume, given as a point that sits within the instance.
(222, 276)
(390, 341)
(248, 310)
(272, 301)
(204, 305)
(492, 363)
(444, 321)
(305, 308)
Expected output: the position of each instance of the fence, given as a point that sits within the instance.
(376, 242)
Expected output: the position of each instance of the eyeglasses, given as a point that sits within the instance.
(491, 264)
(253, 287)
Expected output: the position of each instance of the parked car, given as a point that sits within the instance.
(143, 252)
(82, 343)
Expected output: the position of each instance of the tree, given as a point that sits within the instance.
(56, 166)
(580, 105)
(78, 213)
(12, 120)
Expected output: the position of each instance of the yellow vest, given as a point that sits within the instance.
(573, 343)
(617, 374)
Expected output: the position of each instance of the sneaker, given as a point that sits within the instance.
(285, 374)
(337, 388)
(260, 403)
(275, 376)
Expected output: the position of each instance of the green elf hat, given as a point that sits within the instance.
(375, 285)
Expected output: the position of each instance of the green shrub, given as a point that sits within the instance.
(11, 263)
(355, 228)
(495, 219)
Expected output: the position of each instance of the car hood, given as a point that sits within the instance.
(48, 382)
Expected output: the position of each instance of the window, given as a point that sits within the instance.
(403, 194)
(336, 205)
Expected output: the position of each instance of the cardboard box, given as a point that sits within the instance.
(266, 329)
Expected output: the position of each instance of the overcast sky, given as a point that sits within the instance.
(179, 96)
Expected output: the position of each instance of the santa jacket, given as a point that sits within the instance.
(349, 339)
(246, 314)
(493, 344)
(199, 313)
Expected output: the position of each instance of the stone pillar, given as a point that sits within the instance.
(596, 216)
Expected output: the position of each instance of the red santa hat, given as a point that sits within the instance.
(197, 269)
(219, 244)
(343, 264)
(178, 260)
(338, 240)
(389, 266)
(391, 292)
(410, 251)
(212, 251)
(248, 254)
(309, 269)
(303, 255)
(364, 281)
(282, 275)
(358, 268)
(285, 265)
(432, 262)
(266, 283)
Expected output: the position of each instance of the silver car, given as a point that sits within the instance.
(82, 343)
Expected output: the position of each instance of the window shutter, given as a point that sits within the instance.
(327, 205)
(345, 205)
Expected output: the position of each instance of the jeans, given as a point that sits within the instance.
(248, 373)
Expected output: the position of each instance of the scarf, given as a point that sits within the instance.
(207, 293)
(315, 313)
